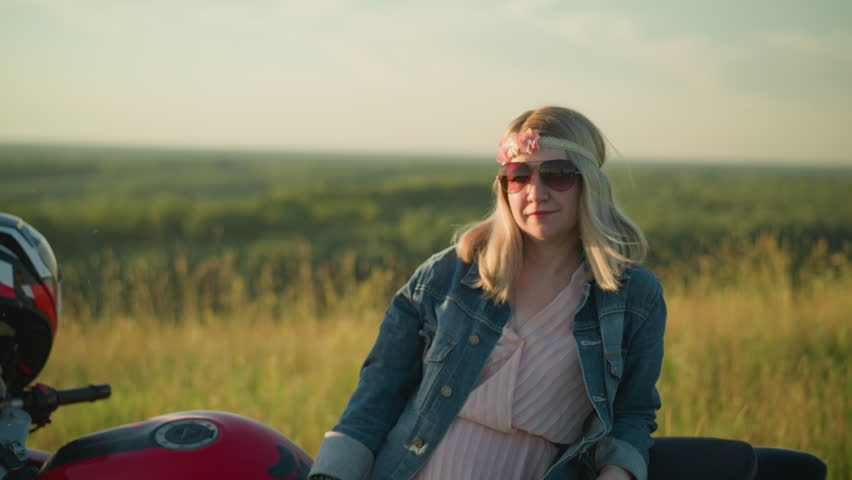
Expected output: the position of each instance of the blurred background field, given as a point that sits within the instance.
(254, 282)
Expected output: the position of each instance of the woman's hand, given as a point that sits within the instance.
(613, 472)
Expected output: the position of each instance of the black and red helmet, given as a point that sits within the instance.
(30, 301)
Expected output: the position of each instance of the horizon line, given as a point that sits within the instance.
(280, 150)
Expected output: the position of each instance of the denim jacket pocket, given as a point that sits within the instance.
(615, 365)
(438, 345)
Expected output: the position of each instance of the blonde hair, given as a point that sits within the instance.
(612, 243)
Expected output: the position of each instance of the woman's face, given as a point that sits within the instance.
(544, 214)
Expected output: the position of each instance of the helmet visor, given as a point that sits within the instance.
(45, 261)
(32, 249)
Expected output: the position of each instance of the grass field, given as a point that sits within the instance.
(255, 284)
(753, 360)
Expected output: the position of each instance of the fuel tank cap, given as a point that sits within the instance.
(186, 434)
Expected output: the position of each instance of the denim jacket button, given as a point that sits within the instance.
(446, 391)
(417, 442)
(473, 339)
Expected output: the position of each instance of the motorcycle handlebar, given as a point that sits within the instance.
(83, 394)
(40, 400)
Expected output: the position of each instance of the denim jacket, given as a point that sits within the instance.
(434, 340)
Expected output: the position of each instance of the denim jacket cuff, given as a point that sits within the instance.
(612, 451)
(343, 457)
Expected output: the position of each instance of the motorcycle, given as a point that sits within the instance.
(194, 444)
(199, 444)
(218, 445)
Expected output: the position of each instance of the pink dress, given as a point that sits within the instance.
(529, 397)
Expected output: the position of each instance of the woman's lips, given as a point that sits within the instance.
(539, 213)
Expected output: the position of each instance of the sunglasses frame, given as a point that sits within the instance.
(547, 180)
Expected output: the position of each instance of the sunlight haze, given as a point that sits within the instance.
(757, 80)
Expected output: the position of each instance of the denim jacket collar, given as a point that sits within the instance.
(472, 277)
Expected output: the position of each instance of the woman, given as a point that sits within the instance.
(528, 350)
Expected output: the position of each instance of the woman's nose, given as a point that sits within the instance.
(536, 190)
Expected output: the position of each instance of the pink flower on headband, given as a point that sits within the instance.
(503, 154)
(508, 150)
(529, 141)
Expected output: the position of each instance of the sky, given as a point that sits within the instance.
(735, 80)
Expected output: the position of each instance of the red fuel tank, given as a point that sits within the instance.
(197, 445)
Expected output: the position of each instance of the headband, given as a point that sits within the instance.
(529, 141)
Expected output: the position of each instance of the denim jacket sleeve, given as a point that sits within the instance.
(389, 375)
(637, 399)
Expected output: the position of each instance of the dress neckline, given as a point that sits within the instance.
(516, 327)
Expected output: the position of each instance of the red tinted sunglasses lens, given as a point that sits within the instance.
(515, 176)
(559, 175)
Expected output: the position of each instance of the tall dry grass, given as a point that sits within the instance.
(753, 352)
(755, 358)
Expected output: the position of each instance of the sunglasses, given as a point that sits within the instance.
(559, 175)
